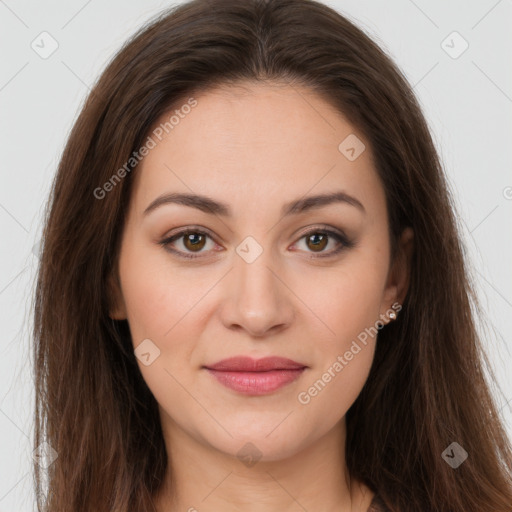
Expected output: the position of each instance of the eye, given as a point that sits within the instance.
(194, 240)
(318, 239)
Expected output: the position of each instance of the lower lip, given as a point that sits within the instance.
(256, 383)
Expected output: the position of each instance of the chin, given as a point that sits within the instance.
(254, 443)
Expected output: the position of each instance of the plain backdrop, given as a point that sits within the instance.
(466, 94)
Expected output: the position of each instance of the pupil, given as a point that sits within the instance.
(192, 236)
(320, 243)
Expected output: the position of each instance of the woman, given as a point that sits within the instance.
(252, 292)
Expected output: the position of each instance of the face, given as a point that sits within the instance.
(254, 275)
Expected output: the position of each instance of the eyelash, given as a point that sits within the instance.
(339, 237)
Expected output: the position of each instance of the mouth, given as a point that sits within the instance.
(256, 376)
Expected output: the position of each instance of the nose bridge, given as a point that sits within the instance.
(258, 301)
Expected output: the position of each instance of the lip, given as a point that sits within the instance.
(248, 364)
(256, 376)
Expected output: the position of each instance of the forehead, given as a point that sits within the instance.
(256, 142)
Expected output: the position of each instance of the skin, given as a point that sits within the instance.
(256, 148)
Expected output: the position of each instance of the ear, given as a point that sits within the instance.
(116, 305)
(399, 275)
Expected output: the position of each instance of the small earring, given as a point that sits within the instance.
(392, 315)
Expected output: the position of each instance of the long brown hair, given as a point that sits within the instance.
(427, 387)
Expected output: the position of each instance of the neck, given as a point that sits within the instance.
(202, 478)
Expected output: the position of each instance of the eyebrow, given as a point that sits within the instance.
(209, 205)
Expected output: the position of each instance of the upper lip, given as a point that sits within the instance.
(248, 364)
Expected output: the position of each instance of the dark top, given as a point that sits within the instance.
(377, 505)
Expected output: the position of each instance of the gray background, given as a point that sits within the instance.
(467, 101)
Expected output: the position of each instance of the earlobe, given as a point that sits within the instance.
(399, 277)
(406, 249)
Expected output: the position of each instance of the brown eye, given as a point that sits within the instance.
(318, 241)
(194, 241)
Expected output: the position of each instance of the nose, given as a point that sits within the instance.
(257, 299)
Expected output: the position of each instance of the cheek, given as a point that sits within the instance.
(157, 296)
(345, 300)
(160, 305)
(348, 302)
(164, 305)
(342, 360)
(330, 391)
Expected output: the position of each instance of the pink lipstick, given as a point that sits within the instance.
(256, 376)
